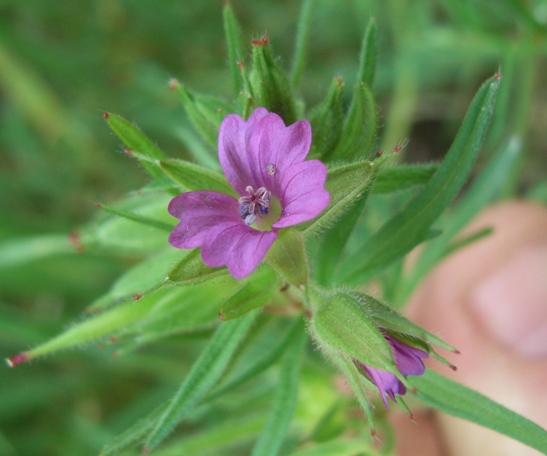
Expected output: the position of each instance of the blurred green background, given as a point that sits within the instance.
(63, 63)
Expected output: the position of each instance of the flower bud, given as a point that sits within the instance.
(340, 323)
(383, 345)
(327, 120)
(269, 84)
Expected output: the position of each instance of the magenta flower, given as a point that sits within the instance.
(408, 361)
(264, 162)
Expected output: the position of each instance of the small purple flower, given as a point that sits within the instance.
(264, 161)
(408, 361)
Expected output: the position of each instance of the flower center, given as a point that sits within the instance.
(254, 203)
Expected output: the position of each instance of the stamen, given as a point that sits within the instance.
(249, 220)
(254, 203)
(243, 210)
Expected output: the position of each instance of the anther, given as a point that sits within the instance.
(254, 203)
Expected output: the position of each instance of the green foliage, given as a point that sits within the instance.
(269, 84)
(409, 227)
(272, 436)
(462, 402)
(74, 275)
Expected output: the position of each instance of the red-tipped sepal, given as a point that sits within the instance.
(17, 359)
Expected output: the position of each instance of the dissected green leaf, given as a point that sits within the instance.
(279, 343)
(135, 140)
(96, 326)
(255, 292)
(139, 279)
(402, 177)
(346, 184)
(192, 177)
(136, 217)
(406, 228)
(204, 111)
(128, 236)
(135, 434)
(349, 446)
(273, 434)
(204, 374)
(191, 269)
(460, 401)
(483, 190)
(217, 440)
(198, 149)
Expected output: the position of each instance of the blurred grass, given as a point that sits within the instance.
(62, 63)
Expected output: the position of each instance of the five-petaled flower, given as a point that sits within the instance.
(264, 162)
(408, 361)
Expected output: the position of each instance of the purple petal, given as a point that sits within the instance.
(386, 382)
(239, 247)
(408, 359)
(200, 213)
(273, 148)
(258, 152)
(232, 149)
(304, 196)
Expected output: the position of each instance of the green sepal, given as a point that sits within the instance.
(192, 177)
(287, 257)
(342, 324)
(301, 43)
(191, 270)
(359, 128)
(205, 112)
(269, 83)
(256, 291)
(135, 140)
(246, 101)
(392, 322)
(234, 45)
(367, 60)
(327, 120)
(346, 183)
(357, 382)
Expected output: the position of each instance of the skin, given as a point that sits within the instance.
(490, 301)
